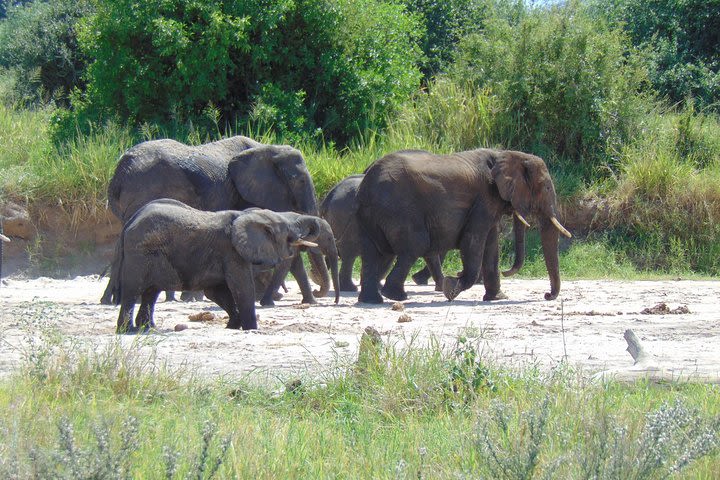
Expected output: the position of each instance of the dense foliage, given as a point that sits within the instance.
(337, 66)
(565, 83)
(38, 42)
(682, 39)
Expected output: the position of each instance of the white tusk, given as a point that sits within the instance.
(520, 217)
(300, 242)
(4, 238)
(559, 226)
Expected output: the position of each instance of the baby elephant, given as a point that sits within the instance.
(167, 245)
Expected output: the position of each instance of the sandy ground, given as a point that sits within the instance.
(523, 330)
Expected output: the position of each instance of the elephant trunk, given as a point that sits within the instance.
(519, 234)
(335, 273)
(319, 272)
(549, 236)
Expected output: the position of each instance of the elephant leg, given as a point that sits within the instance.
(394, 287)
(170, 296)
(346, 270)
(298, 271)
(422, 276)
(125, 318)
(191, 296)
(471, 251)
(223, 297)
(240, 282)
(491, 267)
(434, 266)
(278, 276)
(144, 319)
(373, 263)
(107, 296)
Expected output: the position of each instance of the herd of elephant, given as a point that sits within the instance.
(230, 218)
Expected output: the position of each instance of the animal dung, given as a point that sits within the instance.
(404, 318)
(180, 327)
(398, 307)
(203, 316)
(663, 309)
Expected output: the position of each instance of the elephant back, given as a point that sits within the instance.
(196, 176)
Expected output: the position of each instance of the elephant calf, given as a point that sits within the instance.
(167, 245)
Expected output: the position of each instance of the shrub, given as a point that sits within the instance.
(565, 82)
(38, 41)
(682, 38)
(335, 65)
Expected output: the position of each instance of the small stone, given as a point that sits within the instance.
(404, 318)
(341, 344)
(302, 306)
(398, 307)
(180, 327)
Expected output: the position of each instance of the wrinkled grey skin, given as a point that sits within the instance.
(339, 208)
(415, 204)
(316, 230)
(168, 245)
(231, 174)
(421, 277)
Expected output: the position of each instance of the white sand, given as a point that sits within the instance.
(523, 330)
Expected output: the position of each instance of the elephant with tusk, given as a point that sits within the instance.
(167, 245)
(414, 204)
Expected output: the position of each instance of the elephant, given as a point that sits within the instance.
(414, 204)
(316, 230)
(339, 208)
(167, 244)
(231, 174)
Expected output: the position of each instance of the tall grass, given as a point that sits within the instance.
(426, 411)
(665, 208)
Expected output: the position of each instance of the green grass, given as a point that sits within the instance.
(420, 412)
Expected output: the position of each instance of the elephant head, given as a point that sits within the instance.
(524, 181)
(276, 177)
(264, 238)
(273, 177)
(317, 230)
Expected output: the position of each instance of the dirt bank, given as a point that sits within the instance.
(523, 330)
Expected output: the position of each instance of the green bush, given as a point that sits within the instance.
(38, 41)
(565, 82)
(682, 38)
(335, 65)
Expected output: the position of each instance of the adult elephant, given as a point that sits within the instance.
(231, 174)
(169, 245)
(339, 208)
(414, 204)
(313, 229)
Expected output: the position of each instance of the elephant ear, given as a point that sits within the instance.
(258, 177)
(259, 240)
(511, 174)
